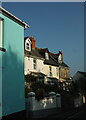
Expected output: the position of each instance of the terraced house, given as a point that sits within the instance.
(48, 64)
(33, 60)
(12, 67)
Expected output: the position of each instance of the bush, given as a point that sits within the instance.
(40, 94)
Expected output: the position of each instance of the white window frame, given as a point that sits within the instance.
(46, 56)
(59, 59)
(28, 41)
(50, 71)
(34, 64)
(0, 33)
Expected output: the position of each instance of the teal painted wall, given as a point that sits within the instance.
(13, 89)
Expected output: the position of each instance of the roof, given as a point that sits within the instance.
(52, 78)
(11, 16)
(55, 57)
(33, 53)
(38, 74)
(51, 60)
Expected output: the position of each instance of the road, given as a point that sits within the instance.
(76, 114)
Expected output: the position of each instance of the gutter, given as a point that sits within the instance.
(3, 11)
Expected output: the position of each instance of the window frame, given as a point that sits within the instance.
(50, 71)
(28, 44)
(46, 56)
(34, 64)
(57, 71)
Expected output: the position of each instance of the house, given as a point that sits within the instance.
(64, 70)
(33, 60)
(50, 65)
(12, 67)
(51, 68)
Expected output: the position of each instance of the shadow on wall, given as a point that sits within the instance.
(13, 96)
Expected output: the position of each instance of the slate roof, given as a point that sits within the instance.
(55, 56)
(51, 60)
(33, 53)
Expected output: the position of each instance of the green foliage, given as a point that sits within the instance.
(30, 78)
(79, 86)
(41, 90)
(40, 94)
(82, 85)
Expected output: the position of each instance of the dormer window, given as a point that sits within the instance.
(28, 45)
(46, 56)
(60, 59)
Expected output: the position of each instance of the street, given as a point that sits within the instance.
(76, 114)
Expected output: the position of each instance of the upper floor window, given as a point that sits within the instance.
(34, 64)
(50, 71)
(57, 71)
(28, 44)
(65, 73)
(46, 56)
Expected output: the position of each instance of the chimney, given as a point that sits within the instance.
(33, 41)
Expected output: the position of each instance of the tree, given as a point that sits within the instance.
(82, 85)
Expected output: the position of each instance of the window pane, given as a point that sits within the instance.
(34, 63)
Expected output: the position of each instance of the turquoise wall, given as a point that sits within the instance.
(13, 89)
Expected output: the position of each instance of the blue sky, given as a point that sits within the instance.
(56, 26)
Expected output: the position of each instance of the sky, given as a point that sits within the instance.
(56, 26)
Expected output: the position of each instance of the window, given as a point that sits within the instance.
(65, 72)
(46, 56)
(0, 33)
(57, 71)
(50, 71)
(59, 58)
(28, 45)
(34, 64)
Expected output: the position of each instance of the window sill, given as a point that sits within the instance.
(2, 49)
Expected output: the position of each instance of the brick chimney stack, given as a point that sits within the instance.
(33, 41)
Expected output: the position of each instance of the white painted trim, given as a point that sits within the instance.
(1, 33)
(26, 25)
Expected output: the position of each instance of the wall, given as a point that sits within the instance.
(63, 73)
(67, 73)
(13, 93)
(52, 102)
(54, 73)
(29, 65)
